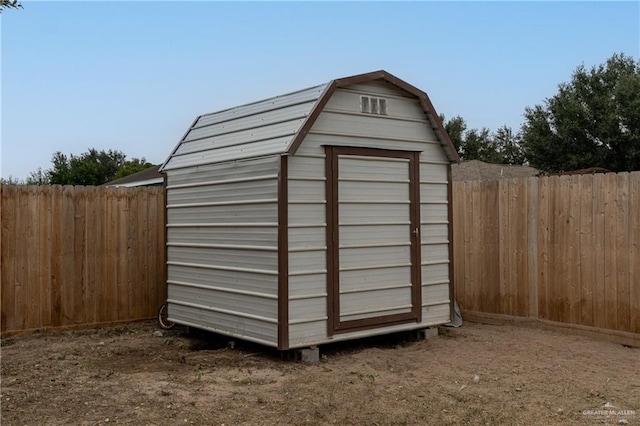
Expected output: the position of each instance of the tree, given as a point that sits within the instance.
(38, 177)
(90, 168)
(501, 147)
(9, 4)
(509, 146)
(593, 121)
(132, 166)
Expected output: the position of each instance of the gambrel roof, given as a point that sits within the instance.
(278, 125)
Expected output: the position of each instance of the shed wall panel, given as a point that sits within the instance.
(236, 191)
(372, 126)
(380, 88)
(349, 101)
(314, 143)
(405, 128)
(233, 280)
(307, 237)
(226, 278)
(262, 332)
(225, 257)
(435, 233)
(373, 234)
(227, 236)
(222, 172)
(224, 214)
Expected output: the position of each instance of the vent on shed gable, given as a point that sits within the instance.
(371, 105)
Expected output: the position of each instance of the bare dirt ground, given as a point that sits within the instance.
(477, 374)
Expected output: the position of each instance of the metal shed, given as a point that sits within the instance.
(311, 217)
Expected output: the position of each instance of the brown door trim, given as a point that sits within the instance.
(336, 326)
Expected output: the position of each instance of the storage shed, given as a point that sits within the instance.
(311, 217)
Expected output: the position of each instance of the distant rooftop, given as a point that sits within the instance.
(479, 170)
(146, 177)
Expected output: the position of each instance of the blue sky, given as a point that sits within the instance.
(133, 75)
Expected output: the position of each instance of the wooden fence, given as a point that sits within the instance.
(559, 249)
(80, 256)
(564, 249)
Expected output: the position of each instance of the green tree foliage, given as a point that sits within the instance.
(9, 4)
(90, 168)
(132, 166)
(501, 147)
(509, 146)
(593, 121)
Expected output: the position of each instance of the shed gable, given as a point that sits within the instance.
(279, 125)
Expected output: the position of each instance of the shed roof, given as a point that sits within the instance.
(278, 125)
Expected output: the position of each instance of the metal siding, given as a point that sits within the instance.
(221, 172)
(430, 172)
(315, 333)
(373, 213)
(373, 126)
(258, 129)
(404, 108)
(437, 314)
(435, 293)
(229, 153)
(241, 138)
(301, 262)
(307, 286)
(353, 280)
(435, 233)
(306, 190)
(236, 191)
(259, 306)
(313, 145)
(380, 88)
(227, 236)
(307, 168)
(283, 101)
(385, 191)
(373, 189)
(307, 268)
(260, 260)
(287, 114)
(435, 273)
(262, 332)
(333, 128)
(433, 192)
(433, 212)
(222, 255)
(435, 252)
(307, 237)
(308, 309)
(252, 213)
(306, 214)
(372, 257)
(235, 280)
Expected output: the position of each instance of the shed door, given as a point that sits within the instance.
(373, 238)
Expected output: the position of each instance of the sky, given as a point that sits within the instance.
(132, 76)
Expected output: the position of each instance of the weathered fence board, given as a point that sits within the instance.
(564, 249)
(77, 256)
